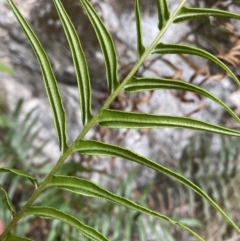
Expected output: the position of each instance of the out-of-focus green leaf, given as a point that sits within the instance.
(163, 48)
(49, 79)
(141, 228)
(140, 44)
(121, 119)
(4, 122)
(80, 63)
(17, 111)
(106, 44)
(72, 167)
(20, 173)
(163, 13)
(6, 69)
(87, 188)
(190, 222)
(103, 149)
(52, 213)
(12, 237)
(186, 14)
(8, 201)
(147, 83)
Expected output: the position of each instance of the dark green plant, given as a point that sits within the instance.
(114, 118)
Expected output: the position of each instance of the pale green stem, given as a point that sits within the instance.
(91, 123)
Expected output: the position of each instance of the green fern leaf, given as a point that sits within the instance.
(12, 237)
(148, 83)
(121, 119)
(20, 173)
(186, 14)
(49, 79)
(8, 201)
(163, 13)
(103, 149)
(163, 48)
(80, 63)
(87, 188)
(140, 45)
(52, 213)
(106, 44)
